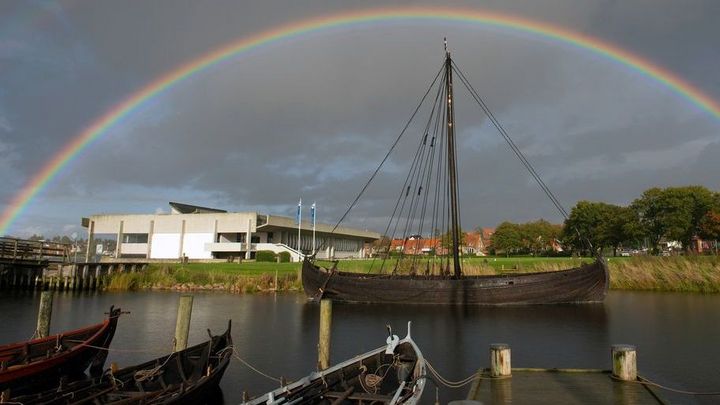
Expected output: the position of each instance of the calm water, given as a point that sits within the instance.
(677, 335)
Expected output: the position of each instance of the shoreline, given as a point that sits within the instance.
(689, 274)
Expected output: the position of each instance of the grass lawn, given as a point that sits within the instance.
(250, 268)
(245, 268)
(679, 273)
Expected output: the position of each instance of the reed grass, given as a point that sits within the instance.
(699, 274)
(196, 278)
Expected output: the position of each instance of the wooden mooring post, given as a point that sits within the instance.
(44, 314)
(624, 362)
(500, 364)
(182, 325)
(324, 336)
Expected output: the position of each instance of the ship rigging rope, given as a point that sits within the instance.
(518, 152)
(387, 155)
(510, 142)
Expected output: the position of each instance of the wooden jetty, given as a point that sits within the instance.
(502, 384)
(39, 265)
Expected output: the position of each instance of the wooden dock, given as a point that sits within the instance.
(38, 265)
(560, 386)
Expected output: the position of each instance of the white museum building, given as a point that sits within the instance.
(198, 233)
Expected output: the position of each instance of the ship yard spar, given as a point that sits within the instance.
(432, 187)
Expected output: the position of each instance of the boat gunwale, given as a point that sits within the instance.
(41, 365)
(314, 376)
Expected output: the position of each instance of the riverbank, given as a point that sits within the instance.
(698, 274)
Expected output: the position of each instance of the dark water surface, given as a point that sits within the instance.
(677, 335)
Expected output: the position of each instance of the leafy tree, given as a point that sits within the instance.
(620, 227)
(673, 213)
(539, 235)
(710, 227)
(446, 239)
(589, 223)
(507, 237)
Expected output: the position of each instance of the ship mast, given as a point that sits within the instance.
(452, 166)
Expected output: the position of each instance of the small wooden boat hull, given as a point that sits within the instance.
(190, 376)
(373, 377)
(583, 284)
(41, 362)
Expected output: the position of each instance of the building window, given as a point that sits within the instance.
(135, 238)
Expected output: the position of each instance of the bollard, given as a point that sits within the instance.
(182, 325)
(44, 314)
(624, 362)
(324, 336)
(500, 365)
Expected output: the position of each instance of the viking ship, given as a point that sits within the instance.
(189, 376)
(41, 362)
(428, 201)
(393, 374)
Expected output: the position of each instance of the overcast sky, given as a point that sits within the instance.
(313, 115)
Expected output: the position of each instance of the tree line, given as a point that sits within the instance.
(673, 213)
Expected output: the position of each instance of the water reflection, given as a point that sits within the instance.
(674, 333)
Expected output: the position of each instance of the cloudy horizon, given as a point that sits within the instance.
(311, 116)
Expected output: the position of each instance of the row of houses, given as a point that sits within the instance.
(474, 243)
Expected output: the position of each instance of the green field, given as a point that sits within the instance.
(679, 273)
(251, 268)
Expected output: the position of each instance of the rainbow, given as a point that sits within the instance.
(384, 15)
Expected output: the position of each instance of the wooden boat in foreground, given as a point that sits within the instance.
(188, 376)
(392, 374)
(42, 362)
(428, 202)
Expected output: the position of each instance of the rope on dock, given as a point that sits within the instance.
(458, 384)
(645, 381)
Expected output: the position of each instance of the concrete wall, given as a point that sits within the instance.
(171, 236)
(165, 246)
(194, 245)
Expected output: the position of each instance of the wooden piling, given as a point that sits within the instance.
(44, 314)
(500, 364)
(182, 325)
(324, 336)
(65, 283)
(624, 362)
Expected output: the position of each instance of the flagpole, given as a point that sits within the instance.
(314, 213)
(299, 217)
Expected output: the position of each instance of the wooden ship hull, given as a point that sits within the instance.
(42, 362)
(584, 284)
(397, 377)
(189, 376)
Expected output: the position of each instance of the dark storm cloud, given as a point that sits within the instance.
(312, 116)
